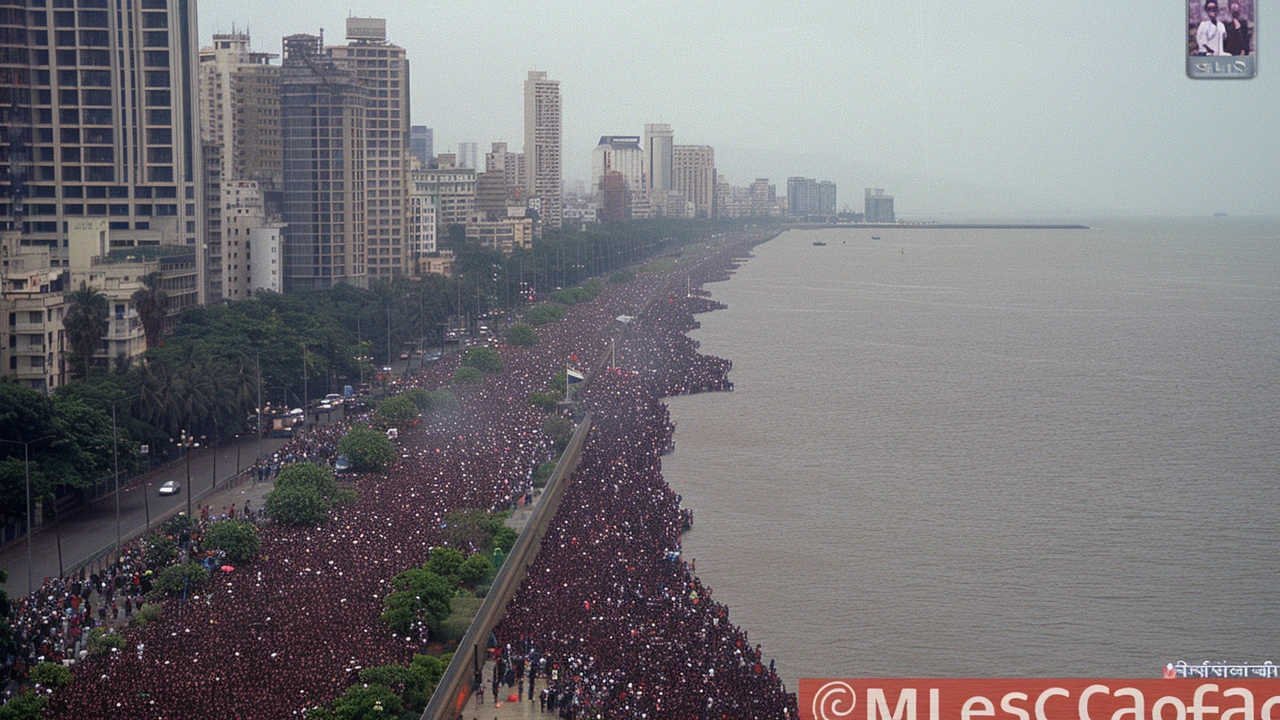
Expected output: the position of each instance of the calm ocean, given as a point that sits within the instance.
(972, 453)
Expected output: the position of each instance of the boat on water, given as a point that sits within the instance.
(875, 237)
(819, 243)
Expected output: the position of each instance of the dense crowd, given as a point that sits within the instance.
(614, 614)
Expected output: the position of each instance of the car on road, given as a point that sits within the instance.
(172, 487)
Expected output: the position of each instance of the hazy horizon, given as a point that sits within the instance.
(1042, 110)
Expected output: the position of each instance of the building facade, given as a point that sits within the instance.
(322, 125)
(98, 120)
(621, 154)
(542, 144)
(422, 145)
(383, 70)
(694, 176)
(658, 148)
(877, 207)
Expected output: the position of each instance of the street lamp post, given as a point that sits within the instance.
(187, 442)
(26, 458)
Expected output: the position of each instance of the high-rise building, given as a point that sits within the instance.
(877, 207)
(98, 121)
(468, 155)
(421, 144)
(807, 197)
(322, 126)
(693, 174)
(383, 70)
(240, 130)
(251, 244)
(658, 144)
(542, 144)
(621, 154)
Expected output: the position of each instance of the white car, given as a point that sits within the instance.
(172, 487)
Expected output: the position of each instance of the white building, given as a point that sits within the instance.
(542, 144)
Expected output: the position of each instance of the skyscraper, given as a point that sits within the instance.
(469, 155)
(322, 126)
(693, 174)
(542, 144)
(618, 153)
(98, 121)
(383, 70)
(658, 144)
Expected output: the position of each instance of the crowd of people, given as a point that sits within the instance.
(625, 624)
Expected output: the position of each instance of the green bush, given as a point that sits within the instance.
(102, 641)
(419, 397)
(485, 359)
(160, 550)
(361, 702)
(146, 614)
(559, 430)
(545, 313)
(237, 538)
(442, 400)
(308, 475)
(419, 593)
(397, 411)
(445, 562)
(545, 401)
(367, 450)
(543, 474)
(179, 524)
(467, 376)
(522, 334)
(621, 278)
(26, 705)
(475, 569)
(176, 578)
(51, 674)
(504, 539)
(584, 293)
(297, 505)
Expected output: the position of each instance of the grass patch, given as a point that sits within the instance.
(464, 611)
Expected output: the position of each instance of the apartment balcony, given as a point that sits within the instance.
(28, 328)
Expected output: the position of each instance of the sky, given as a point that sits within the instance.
(1046, 109)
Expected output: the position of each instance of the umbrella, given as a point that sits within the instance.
(227, 568)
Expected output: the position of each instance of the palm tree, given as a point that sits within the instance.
(151, 303)
(86, 323)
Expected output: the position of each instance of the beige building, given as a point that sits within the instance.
(542, 145)
(252, 252)
(383, 69)
(694, 176)
(32, 304)
(451, 189)
(502, 235)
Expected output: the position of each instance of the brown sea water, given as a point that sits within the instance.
(968, 453)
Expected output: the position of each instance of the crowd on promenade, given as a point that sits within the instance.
(629, 628)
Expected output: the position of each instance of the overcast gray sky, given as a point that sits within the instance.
(1046, 108)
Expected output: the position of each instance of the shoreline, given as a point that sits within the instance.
(937, 226)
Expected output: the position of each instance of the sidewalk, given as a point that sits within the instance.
(88, 534)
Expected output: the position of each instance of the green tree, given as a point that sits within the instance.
(371, 702)
(560, 430)
(442, 400)
(102, 640)
(161, 550)
(545, 313)
(51, 674)
(467, 376)
(296, 506)
(397, 411)
(522, 334)
(176, 579)
(475, 569)
(445, 562)
(237, 538)
(85, 323)
(504, 539)
(485, 359)
(367, 450)
(420, 594)
(26, 705)
(309, 476)
(152, 304)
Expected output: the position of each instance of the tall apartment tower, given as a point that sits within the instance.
(542, 144)
(322, 126)
(98, 123)
(469, 155)
(693, 170)
(384, 71)
(658, 144)
(240, 132)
